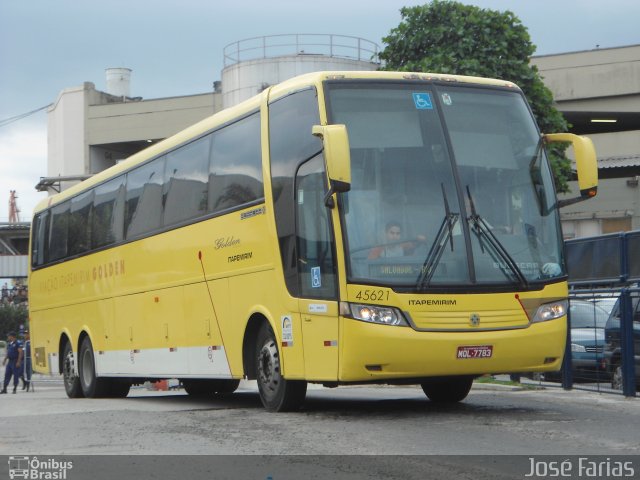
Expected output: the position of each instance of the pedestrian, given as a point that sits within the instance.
(12, 362)
(28, 370)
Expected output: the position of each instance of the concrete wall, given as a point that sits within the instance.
(147, 119)
(617, 144)
(88, 130)
(591, 74)
(617, 205)
(66, 132)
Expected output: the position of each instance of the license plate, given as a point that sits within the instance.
(475, 351)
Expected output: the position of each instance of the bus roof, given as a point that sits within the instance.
(316, 78)
(228, 114)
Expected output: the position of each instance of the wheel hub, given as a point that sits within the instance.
(269, 367)
(68, 368)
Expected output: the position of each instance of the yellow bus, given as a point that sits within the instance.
(338, 228)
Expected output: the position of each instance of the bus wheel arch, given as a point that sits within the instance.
(249, 344)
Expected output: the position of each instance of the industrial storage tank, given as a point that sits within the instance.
(119, 81)
(253, 64)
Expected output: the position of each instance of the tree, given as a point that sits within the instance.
(11, 317)
(450, 37)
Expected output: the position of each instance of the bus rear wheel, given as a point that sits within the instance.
(71, 379)
(118, 388)
(447, 389)
(92, 386)
(276, 393)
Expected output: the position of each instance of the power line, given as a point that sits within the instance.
(10, 120)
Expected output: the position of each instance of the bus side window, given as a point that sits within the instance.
(108, 210)
(185, 185)
(80, 223)
(59, 232)
(235, 176)
(144, 198)
(39, 242)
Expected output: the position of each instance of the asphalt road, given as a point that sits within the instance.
(372, 429)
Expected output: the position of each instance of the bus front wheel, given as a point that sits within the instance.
(447, 389)
(198, 387)
(71, 380)
(277, 393)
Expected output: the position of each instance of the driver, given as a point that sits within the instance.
(394, 246)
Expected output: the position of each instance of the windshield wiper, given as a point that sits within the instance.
(483, 232)
(445, 232)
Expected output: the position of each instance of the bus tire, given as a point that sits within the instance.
(447, 390)
(118, 388)
(225, 386)
(71, 379)
(92, 386)
(194, 388)
(276, 393)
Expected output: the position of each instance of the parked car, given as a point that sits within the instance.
(607, 303)
(587, 322)
(612, 350)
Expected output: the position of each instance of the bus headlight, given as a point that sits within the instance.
(550, 311)
(373, 314)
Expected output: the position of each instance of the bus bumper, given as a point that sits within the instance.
(372, 352)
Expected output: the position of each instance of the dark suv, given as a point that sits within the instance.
(612, 351)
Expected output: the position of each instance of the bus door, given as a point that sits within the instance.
(318, 286)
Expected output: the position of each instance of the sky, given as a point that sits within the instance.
(175, 48)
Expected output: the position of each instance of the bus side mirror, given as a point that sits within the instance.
(586, 165)
(337, 157)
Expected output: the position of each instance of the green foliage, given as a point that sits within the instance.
(11, 317)
(450, 37)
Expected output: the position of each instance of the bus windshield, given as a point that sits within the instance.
(450, 187)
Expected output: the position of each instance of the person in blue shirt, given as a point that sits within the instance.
(28, 370)
(13, 362)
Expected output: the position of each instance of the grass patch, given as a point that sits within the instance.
(488, 379)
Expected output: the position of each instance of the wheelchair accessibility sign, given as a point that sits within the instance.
(423, 101)
(316, 279)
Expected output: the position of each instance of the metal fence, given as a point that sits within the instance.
(337, 46)
(603, 338)
(603, 342)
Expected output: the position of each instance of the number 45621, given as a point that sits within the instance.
(373, 295)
